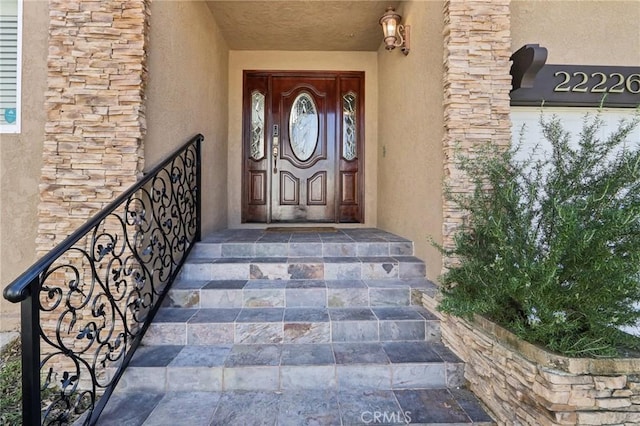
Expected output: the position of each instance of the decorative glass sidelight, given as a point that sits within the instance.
(257, 125)
(349, 129)
(303, 126)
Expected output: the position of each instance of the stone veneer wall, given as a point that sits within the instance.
(477, 47)
(95, 110)
(526, 385)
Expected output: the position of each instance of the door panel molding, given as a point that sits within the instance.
(289, 189)
(258, 187)
(349, 188)
(317, 189)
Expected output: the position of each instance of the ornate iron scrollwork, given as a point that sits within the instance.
(97, 296)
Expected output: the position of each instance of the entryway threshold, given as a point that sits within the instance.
(300, 234)
(301, 229)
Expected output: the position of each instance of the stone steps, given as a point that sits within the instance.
(345, 243)
(351, 254)
(309, 293)
(296, 328)
(307, 268)
(301, 248)
(189, 326)
(273, 367)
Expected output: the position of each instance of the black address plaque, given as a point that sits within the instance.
(535, 82)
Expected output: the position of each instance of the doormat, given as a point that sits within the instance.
(301, 229)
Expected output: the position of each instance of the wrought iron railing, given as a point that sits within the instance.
(87, 303)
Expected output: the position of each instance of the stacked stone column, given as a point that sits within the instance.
(477, 47)
(95, 111)
(92, 152)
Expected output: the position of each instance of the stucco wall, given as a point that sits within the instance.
(410, 120)
(579, 32)
(280, 60)
(187, 94)
(21, 160)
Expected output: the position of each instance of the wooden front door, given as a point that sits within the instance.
(302, 150)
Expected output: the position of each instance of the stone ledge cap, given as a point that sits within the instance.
(543, 357)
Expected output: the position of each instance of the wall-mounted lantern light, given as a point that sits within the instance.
(395, 34)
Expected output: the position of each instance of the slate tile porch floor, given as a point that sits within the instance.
(296, 408)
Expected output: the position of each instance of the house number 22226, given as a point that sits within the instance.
(597, 82)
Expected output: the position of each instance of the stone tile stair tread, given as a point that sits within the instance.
(299, 249)
(352, 314)
(225, 284)
(300, 284)
(301, 259)
(382, 353)
(348, 283)
(353, 234)
(229, 315)
(261, 315)
(374, 259)
(174, 315)
(301, 229)
(306, 315)
(266, 284)
(420, 283)
(213, 315)
(299, 407)
(383, 267)
(182, 284)
(305, 259)
(202, 326)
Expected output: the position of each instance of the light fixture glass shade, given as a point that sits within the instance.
(389, 27)
(389, 22)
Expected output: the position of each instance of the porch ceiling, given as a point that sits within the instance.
(301, 24)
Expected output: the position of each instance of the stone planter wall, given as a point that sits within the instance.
(525, 385)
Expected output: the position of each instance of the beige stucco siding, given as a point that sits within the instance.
(21, 160)
(187, 94)
(579, 32)
(410, 134)
(280, 60)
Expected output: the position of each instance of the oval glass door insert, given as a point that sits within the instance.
(303, 126)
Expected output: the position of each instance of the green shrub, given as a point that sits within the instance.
(552, 250)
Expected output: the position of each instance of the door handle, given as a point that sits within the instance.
(276, 145)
